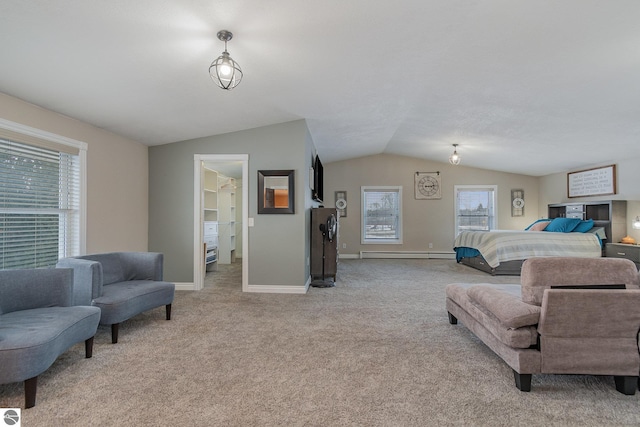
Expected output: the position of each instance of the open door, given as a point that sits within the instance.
(206, 211)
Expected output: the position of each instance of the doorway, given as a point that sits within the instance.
(235, 169)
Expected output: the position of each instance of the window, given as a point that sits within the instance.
(41, 219)
(381, 215)
(475, 207)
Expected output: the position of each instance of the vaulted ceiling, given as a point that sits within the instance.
(525, 86)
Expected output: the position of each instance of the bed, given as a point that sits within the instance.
(502, 252)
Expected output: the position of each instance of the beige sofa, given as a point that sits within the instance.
(566, 317)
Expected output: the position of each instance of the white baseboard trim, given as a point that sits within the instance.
(348, 256)
(185, 286)
(280, 289)
(408, 254)
(272, 289)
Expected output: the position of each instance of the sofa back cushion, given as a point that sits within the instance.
(35, 288)
(542, 273)
(113, 270)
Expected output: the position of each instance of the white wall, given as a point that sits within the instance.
(117, 177)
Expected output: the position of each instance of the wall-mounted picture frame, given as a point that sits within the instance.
(600, 181)
(341, 203)
(276, 191)
(517, 202)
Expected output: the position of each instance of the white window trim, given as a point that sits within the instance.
(82, 155)
(363, 210)
(494, 217)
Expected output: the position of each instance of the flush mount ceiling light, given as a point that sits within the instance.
(224, 71)
(454, 159)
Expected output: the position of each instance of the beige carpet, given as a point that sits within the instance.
(376, 350)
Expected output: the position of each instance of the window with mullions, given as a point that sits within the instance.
(381, 215)
(39, 205)
(475, 207)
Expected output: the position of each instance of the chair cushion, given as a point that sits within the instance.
(123, 300)
(508, 309)
(31, 340)
(522, 337)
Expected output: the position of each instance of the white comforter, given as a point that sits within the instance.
(507, 245)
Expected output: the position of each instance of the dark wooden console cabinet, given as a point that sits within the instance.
(610, 214)
(319, 216)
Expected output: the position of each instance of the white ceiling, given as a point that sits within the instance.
(526, 86)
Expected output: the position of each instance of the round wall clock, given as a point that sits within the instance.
(428, 186)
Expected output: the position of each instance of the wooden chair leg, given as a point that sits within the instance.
(114, 333)
(30, 388)
(626, 385)
(523, 381)
(88, 348)
(168, 311)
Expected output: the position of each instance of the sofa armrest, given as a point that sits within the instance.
(541, 273)
(142, 265)
(590, 331)
(589, 313)
(87, 279)
(508, 309)
(35, 288)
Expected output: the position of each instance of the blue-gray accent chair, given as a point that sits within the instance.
(122, 284)
(38, 323)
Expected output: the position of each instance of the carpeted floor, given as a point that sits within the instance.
(376, 350)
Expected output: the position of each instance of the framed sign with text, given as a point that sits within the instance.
(599, 181)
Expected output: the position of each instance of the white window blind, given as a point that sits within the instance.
(39, 205)
(381, 215)
(475, 207)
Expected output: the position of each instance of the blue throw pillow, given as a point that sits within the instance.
(584, 226)
(563, 225)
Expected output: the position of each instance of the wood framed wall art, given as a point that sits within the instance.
(600, 181)
(276, 192)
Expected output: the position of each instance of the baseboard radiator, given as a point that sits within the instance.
(408, 254)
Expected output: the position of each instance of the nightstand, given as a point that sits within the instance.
(622, 250)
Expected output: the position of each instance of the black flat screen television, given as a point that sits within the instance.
(318, 180)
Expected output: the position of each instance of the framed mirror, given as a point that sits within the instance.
(276, 192)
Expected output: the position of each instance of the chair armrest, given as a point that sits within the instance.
(539, 274)
(87, 279)
(580, 313)
(35, 288)
(143, 265)
(590, 332)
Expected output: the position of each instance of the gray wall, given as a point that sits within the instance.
(275, 241)
(424, 221)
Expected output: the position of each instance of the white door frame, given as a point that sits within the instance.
(198, 215)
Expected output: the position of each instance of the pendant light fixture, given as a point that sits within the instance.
(454, 159)
(224, 71)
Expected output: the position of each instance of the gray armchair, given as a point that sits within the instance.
(38, 323)
(122, 284)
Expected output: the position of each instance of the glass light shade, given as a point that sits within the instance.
(454, 159)
(225, 72)
(636, 223)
